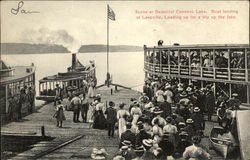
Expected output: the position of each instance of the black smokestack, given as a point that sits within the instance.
(73, 61)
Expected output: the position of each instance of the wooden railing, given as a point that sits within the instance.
(235, 74)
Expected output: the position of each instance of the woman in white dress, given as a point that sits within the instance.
(91, 92)
(135, 113)
(121, 116)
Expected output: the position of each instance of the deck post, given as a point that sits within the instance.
(179, 65)
(154, 60)
(248, 94)
(229, 66)
(160, 61)
(230, 90)
(246, 68)
(169, 62)
(189, 63)
(201, 65)
(214, 89)
(214, 66)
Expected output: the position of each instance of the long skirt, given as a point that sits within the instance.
(91, 92)
(99, 120)
(135, 119)
(121, 126)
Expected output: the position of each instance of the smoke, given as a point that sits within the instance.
(51, 37)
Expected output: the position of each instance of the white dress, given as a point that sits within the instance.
(136, 113)
(91, 90)
(121, 121)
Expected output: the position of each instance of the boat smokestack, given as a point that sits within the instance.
(73, 61)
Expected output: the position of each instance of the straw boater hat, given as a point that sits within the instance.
(167, 86)
(148, 142)
(139, 149)
(126, 143)
(189, 89)
(181, 124)
(189, 121)
(157, 111)
(118, 157)
(139, 123)
(149, 105)
(124, 148)
(196, 109)
(235, 95)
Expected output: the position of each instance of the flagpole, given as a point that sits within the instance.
(107, 40)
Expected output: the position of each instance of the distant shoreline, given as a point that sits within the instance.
(26, 48)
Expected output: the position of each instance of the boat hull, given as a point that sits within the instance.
(220, 145)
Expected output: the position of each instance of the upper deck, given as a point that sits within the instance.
(229, 63)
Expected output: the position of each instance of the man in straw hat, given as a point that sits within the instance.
(158, 112)
(76, 102)
(147, 144)
(199, 123)
(189, 128)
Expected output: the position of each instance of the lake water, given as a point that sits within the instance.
(126, 68)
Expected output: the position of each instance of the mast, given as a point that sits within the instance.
(107, 40)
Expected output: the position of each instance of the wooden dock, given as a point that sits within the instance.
(90, 138)
(79, 149)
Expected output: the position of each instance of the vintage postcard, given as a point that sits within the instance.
(125, 80)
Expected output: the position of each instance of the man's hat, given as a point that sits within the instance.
(196, 109)
(147, 142)
(139, 149)
(189, 121)
(181, 124)
(139, 123)
(124, 148)
(126, 143)
(235, 95)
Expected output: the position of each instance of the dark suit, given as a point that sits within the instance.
(140, 136)
(130, 136)
(111, 120)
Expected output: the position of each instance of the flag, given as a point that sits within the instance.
(111, 14)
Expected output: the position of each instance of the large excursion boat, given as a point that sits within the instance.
(226, 67)
(12, 81)
(74, 80)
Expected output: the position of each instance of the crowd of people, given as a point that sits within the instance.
(167, 121)
(17, 103)
(237, 58)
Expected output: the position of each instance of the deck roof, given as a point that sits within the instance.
(20, 72)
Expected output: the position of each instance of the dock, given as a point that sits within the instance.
(75, 140)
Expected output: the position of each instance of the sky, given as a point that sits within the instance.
(86, 22)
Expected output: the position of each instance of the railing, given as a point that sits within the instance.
(236, 74)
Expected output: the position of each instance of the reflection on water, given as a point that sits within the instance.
(125, 68)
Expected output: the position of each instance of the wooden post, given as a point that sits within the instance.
(229, 66)
(179, 65)
(214, 66)
(230, 90)
(43, 131)
(201, 65)
(154, 61)
(169, 62)
(246, 68)
(160, 61)
(248, 94)
(189, 63)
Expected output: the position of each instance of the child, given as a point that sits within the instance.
(59, 115)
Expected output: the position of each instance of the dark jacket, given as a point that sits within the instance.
(199, 123)
(140, 136)
(166, 108)
(210, 102)
(111, 115)
(130, 136)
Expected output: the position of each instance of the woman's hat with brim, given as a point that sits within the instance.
(196, 109)
(147, 142)
(149, 105)
(189, 121)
